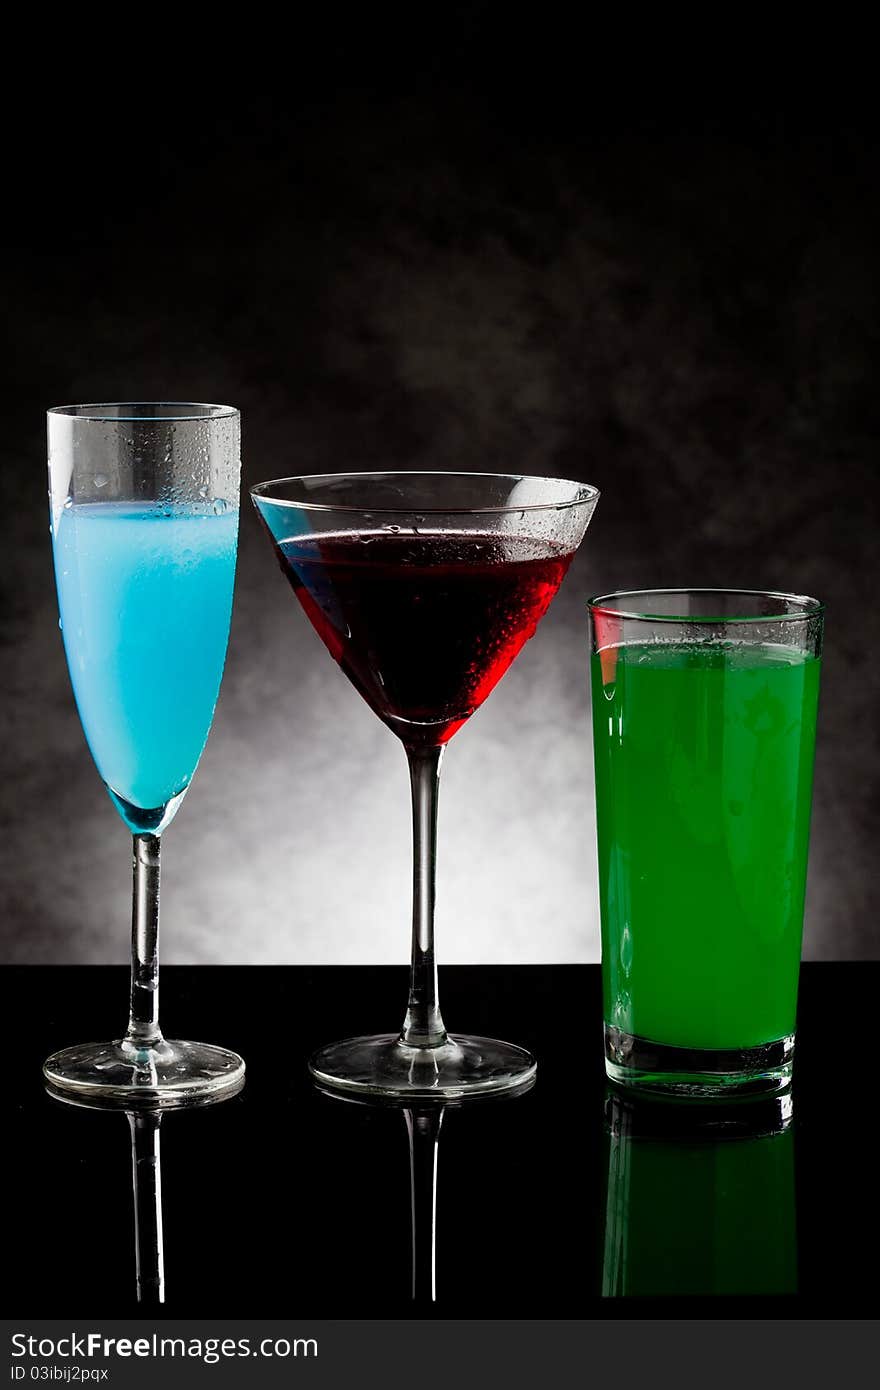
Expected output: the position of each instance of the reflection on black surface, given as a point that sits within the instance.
(423, 1125)
(699, 1201)
(146, 1170)
(423, 1128)
(286, 1203)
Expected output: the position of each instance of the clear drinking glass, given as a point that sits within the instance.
(424, 587)
(704, 727)
(144, 501)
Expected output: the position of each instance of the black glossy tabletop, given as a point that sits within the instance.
(284, 1202)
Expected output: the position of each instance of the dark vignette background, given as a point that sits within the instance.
(463, 253)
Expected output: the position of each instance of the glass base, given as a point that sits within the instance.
(698, 1073)
(117, 1073)
(384, 1066)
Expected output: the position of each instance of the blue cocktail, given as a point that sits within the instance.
(144, 502)
(145, 598)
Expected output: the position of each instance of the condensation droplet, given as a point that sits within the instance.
(204, 490)
(68, 504)
(220, 506)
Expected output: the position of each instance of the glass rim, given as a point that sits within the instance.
(96, 411)
(810, 607)
(588, 493)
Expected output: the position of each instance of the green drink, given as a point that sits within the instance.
(704, 731)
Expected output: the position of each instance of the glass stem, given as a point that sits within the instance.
(423, 1025)
(143, 1021)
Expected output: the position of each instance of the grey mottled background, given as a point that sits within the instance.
(444, 266)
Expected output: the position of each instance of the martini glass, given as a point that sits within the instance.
(144, 510)
(424, 587)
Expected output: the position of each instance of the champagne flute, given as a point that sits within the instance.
(144, 513)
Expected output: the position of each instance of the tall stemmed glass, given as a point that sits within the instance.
(424, 587)
(144, 510)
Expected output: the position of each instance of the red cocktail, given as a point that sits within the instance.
(424, 625)
(424, 586)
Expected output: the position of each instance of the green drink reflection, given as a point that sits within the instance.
(697, 1203)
